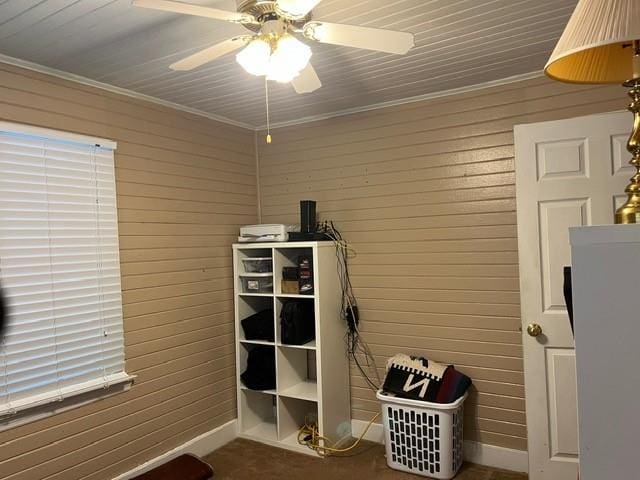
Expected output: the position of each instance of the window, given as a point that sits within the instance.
(59, 267)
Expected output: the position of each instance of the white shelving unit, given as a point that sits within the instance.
(311, 379)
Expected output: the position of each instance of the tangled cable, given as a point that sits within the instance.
(357, 348)
(310, 436)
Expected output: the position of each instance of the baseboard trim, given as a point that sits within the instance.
(374, 434)
(497, 457)
(475, 452)
(201, 445)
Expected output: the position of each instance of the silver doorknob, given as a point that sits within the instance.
(534, 329)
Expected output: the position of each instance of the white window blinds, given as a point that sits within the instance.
(59, 268)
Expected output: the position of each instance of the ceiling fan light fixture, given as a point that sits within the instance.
(295, 9)
(281, 63)
(290, 55)
(255, 57)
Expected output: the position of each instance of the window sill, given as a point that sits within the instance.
(40, 412)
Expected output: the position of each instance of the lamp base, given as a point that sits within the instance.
(630, 211)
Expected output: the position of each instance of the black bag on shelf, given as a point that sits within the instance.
(297, 322)
(259, 326)
(261, 368)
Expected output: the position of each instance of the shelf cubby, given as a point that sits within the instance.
(258, 252)
(242, 276)
(297, 377)
(288, 257)
(293, 414)
(250, 305)
(259, 417)
(243, 350)
(279, 302)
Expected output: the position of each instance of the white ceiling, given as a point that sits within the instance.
(458, 43)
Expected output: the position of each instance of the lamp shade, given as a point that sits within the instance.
(595, 47)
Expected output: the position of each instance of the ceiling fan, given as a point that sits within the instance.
(272, 49)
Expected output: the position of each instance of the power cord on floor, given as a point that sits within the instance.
(310, 436)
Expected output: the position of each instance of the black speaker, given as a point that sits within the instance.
(307, 216)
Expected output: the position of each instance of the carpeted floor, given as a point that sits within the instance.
(246, 460)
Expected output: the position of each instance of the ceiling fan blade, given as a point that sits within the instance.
(295, 9)
(209, 54)
(197, 10)
(307, 81)
(377, 39)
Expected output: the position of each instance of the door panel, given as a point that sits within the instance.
(563, 159)
(620, 157)
(555, 219)
(563, 417)
(568, 173)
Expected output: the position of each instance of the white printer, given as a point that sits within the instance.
(274, 232)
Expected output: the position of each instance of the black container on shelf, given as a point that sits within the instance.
(290, 273)
(259, 326)
(260, 373)
(297, 322)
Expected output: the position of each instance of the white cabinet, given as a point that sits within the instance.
(605, 271)
(312, 380)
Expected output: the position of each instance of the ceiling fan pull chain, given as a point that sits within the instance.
(266, 96)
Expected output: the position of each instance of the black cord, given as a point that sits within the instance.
(349, 307)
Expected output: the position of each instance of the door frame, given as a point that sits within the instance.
(597, 179)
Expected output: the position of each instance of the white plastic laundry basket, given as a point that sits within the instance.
(422, 437)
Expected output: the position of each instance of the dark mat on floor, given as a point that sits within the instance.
(184, 467)
(246, 460)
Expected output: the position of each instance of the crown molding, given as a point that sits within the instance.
(298, 121)
(418, 98)
(36, 67)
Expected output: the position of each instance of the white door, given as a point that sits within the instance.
(568, 173)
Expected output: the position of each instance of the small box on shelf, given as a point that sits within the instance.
(258, 264)
(305, 275)
(257, 283)
(289, 283)
(289, 286)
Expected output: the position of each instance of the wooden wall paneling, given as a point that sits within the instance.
(184, 184)
(425, 194)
